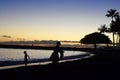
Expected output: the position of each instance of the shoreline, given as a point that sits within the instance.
(42, 61)
(103, 66)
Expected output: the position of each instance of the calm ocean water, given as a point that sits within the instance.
(16, 56)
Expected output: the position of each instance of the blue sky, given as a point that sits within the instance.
(53, 19)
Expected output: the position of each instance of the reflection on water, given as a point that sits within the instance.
(16, 56)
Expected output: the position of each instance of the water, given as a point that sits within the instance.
(16, 56)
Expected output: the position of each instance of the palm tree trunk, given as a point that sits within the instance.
(113, 39)
(119, 38)
(95, 46)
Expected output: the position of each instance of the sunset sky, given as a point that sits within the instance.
(52, 19)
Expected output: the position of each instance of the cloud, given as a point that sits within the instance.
(6, 36)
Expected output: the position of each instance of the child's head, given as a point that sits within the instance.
(25, 52)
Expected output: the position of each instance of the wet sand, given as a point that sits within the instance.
(104, 66)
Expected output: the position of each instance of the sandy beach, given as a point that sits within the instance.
(103, 66)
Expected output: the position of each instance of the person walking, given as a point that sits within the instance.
(26, 57)
(55, 56)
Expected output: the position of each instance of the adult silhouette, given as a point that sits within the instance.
(26, 57)
(55, 57)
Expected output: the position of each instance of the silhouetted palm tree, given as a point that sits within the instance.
(117, 23)
(103, 28)
(112, 13)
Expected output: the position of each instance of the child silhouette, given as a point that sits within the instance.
(26, 57)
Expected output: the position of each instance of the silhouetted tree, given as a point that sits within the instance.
(117, 26)
(95, 38)
(112, 13)
(103, 28)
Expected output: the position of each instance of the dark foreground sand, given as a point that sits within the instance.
(103, 66)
